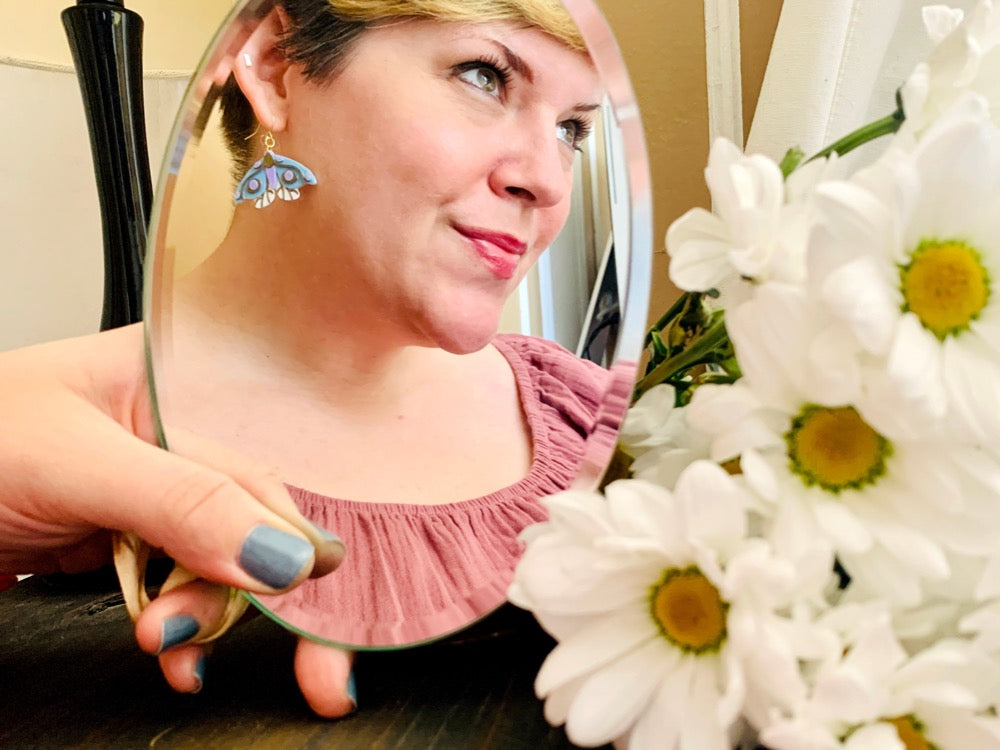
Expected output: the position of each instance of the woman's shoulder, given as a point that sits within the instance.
(571, 385)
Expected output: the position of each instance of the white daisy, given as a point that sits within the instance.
(873, 696)
(981, 620)
(908, 257)
(658, 438)
(965, 57)
(945, 606)
(670, 622)
(836, 461)
(754, 233)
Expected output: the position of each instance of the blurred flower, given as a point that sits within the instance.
(657, 436)
(966, 57)
(874, 697)
(750, 236)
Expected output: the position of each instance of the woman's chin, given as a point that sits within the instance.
(466, 341)
(466, 335)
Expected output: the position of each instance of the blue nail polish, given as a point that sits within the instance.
(352, 689)
(176, 630)
(199, 673)
(274, 557)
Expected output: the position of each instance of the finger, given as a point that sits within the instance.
(265, 485)
(172, 620)
(180, 615)
(200, 516)
(326, 679)
(184, 667)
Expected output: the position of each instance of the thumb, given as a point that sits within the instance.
(220, 515)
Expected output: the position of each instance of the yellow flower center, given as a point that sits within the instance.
(911, 733)
(733, 467)
(945, 286)
(689, 611)
(835, 448)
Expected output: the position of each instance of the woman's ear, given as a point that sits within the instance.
(260, 69)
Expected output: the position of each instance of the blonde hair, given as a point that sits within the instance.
(547, 15)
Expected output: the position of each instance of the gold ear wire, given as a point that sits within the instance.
(256, 130)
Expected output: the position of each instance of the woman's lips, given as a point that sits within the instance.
(500, 252)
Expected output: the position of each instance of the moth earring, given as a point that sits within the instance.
(273, 176)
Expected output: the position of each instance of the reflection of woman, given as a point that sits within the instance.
(442, 136)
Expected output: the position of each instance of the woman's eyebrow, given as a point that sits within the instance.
(519, 65)
(515, 61)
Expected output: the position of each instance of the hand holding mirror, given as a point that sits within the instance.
(343, 329)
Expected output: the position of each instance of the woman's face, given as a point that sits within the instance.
(444, 156)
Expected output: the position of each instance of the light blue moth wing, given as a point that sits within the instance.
(289, 177)
(273, 176)
(253, 186)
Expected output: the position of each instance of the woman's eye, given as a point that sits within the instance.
(573, 132)
(483, 77)
(568, 132)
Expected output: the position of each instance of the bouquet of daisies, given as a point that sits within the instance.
(806, 552)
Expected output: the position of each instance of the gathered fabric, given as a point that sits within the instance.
(416, 572)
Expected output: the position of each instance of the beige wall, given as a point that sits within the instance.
(51, 248)
(663, 43)
(177, 31)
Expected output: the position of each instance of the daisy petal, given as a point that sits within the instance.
(915, 551)
(699, 244)
(610, 701)
(843, 528)
(858, 294)
(713, 505)
(660, 725)
(948, 729)
(880, 736)
(559, 700)
(940, 20)
(701, 729)
(594, 646)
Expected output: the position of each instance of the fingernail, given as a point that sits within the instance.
(274, 557)
(328, 536)
(352, 691)
(199, 673)
(176, 630)
(329, 554)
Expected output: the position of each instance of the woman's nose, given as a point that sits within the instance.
(534, 167)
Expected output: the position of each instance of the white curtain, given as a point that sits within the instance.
(834, 66)
(51, 246)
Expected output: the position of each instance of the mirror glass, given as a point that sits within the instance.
(425, 309)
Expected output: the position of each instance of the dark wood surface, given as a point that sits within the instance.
(71, 676)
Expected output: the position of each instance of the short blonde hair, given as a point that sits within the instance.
(548, 15)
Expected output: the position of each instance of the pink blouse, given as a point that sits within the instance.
(416, 572)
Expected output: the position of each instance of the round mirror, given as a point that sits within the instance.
(400, 253)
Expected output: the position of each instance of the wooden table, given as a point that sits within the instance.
(71, 676)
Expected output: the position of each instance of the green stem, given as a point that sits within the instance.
(887, 125)
(707, 343)
(669, 315)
